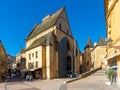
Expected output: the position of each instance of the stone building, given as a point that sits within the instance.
(20, 60)
(98, 54)
(3, 63)
(82, 63)
(88, 47)
(51, 50)
(11, 61)
(11, 64)
(112, 16)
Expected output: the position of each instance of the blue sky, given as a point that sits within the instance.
(17, 18)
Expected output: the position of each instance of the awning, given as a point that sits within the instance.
(112, 56)
(26, 70)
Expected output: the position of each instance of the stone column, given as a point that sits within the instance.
(43, 62)
(48, 61)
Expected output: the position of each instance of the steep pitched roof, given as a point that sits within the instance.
(88, 44)
(101, 42)
(38, 42)
(1, 46)
(45, 24)
(23, 50)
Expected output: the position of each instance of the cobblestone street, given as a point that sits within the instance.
(35, 85)
(96, 81)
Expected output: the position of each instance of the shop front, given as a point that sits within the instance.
(114, 64)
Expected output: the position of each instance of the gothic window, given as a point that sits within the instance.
(76, 52)
(60, 26)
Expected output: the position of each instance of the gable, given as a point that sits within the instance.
(63, 24)
(46, 23)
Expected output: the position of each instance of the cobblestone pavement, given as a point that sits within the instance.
(34, 85)
(96, 81)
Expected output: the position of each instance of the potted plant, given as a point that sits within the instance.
(110, 73)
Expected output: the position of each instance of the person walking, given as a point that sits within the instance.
(3, 78)
(30, 77)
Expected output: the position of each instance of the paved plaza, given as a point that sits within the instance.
(96, 81)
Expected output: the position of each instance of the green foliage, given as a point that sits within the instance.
(110, 73)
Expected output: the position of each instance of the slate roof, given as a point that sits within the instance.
(45, 24)
(89, 43)
(101, 42)
(23, 50)
(38, 42)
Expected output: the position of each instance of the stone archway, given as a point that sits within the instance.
(64, 61)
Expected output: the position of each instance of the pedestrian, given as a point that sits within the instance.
(27, 77)
(3, 78)
(30, 78)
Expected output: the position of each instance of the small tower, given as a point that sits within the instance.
(88, 47)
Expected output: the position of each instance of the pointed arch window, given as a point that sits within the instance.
(60, 26)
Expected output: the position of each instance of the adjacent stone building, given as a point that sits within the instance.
(98, 54)
(51, 51)
(82, 63)
(21, 60)
(11, 61)
(3, 63)
(88, 47)
(112, 15)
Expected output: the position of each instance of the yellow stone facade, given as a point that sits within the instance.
(88, 59)
(112, 13)
(98, 55)
(50, 47)
(88, 47)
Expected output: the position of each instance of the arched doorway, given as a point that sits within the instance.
(68, 65)
(62, 55)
